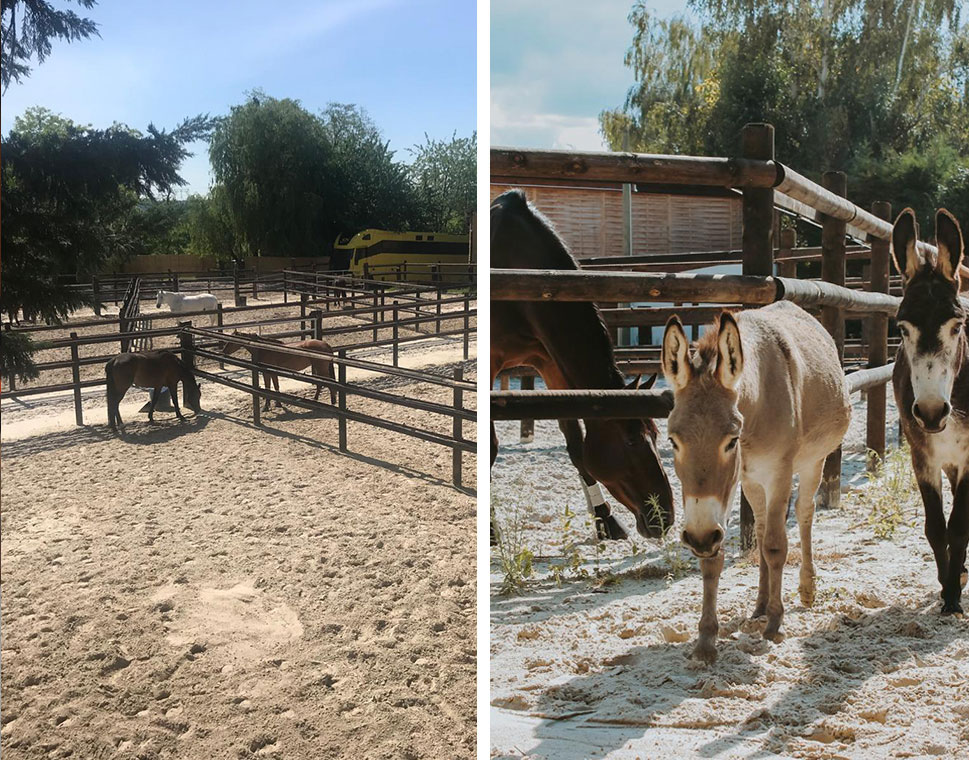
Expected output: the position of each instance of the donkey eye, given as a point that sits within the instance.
(956, 329)
(903, 330)
(732, 444)
(673, 444)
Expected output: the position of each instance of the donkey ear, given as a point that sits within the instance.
(948, 237)
(649, 383)
(633, 385)
(905, 236)
(676, 357)
(730, 352)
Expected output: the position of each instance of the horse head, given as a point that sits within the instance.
(621, 454)
(192, 392)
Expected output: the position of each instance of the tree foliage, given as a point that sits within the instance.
(443, 173)
(29, 28)
(70, 199)
(877, 88)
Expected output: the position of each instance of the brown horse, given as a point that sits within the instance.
(149, 369)
(931, 382)
(569, 346)
(322, 367)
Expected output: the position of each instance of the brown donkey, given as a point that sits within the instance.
(149, 369)
(322, 367)
(761, 397)
(931, 382)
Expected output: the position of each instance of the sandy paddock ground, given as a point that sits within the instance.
(207, 589)
(589, 669)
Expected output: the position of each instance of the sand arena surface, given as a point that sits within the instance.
(207, 589)
(582, 669)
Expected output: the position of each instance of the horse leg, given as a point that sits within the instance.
(809, 480)
(606, 526)
(268, 384)
(152, 401)
(173, 388)
(275, 378)
(958, 536)
(331, 373)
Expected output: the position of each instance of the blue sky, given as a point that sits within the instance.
(555, 64)
(410, 63)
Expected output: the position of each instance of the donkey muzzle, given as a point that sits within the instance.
(932, 415)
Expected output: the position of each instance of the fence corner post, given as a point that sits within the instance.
(878, 342)
(758, 252)
(396, 333)
(76, 378)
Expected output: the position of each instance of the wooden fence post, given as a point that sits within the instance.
(396, 350)
(255, 282)
(96, 295)
(256, 410)
(833, 233)
(235, 282)
(303, 298)
(317, 316)
(342, 399)
(878, 341)
(12, 379)
(285, 287)
(758, 253)
(786, 241)
(187, 341)
(528, 426)
(375, 310)
(467, 326)
(76, 377)
(456, 432)
(437, 322)
(220, 323)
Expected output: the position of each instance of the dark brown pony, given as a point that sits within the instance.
(931, 381)
(322, 367)
(568, 345)
(149, 369)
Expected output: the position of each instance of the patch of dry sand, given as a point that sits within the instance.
(208, 589)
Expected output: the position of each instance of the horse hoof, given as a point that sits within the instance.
(607, 529)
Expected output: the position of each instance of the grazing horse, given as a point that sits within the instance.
(569, 346)
(931, 381)
(149, 369)
(762, 397)
(182, 303)
(322, 367)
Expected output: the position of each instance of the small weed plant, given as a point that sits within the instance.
(514, 558)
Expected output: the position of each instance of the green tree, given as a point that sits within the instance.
(444, 175)
(28, 29)
(878, 88)
(284, 189)
(377, 188)
(69, 196)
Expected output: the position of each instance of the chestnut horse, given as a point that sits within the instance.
(149, 369)
(322, 367)
(931, 381)
(568, 345)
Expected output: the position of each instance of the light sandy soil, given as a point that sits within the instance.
(585, 669)
(209, 589)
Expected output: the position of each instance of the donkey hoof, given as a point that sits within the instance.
(963, 578)
(705, 652)
(807, 594)
(607, 529)
(951, 607)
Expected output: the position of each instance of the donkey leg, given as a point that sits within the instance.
(775, 551)
(958, 536)
(758, 504)
(935, 529)
(706, 645)
(810, 479)
(606, 527)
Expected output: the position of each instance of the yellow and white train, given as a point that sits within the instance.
(404, 256)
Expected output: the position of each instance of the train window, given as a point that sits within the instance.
(367, 236)
(430, 237)
(421, 237)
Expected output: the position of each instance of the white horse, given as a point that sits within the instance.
(181, 303)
